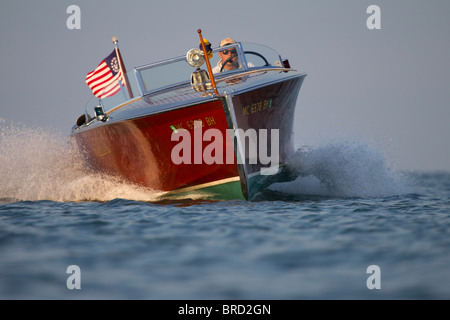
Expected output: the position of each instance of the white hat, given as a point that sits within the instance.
(226, 42)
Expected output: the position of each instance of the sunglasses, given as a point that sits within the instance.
(226, 51)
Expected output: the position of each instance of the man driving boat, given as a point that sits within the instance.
(228, 57)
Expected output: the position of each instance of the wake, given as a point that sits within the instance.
(343, 169)
(40, 164)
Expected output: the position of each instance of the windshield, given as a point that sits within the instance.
(261, 56)
(177, 71)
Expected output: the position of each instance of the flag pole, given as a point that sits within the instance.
(208, 64)
(115, 40)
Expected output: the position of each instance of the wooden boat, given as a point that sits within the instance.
(181, 130)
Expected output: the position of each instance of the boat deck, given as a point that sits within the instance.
(184, 95)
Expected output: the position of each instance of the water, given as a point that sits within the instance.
(310, 238)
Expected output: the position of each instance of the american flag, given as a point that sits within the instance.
(104, 80)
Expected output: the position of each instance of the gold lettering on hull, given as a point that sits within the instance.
(256, 107)
(194, 123)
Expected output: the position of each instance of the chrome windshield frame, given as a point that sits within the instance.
(146, 89)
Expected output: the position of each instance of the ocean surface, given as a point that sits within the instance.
(350, 226)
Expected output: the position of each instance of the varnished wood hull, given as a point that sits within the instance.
(140, 147)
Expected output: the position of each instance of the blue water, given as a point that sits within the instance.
(310, 238)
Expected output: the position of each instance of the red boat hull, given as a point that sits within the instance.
(140, 147)
(140, 150)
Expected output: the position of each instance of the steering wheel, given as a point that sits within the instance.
(266, 63)
(259, 55)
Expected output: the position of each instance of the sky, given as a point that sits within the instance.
(388, 87)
